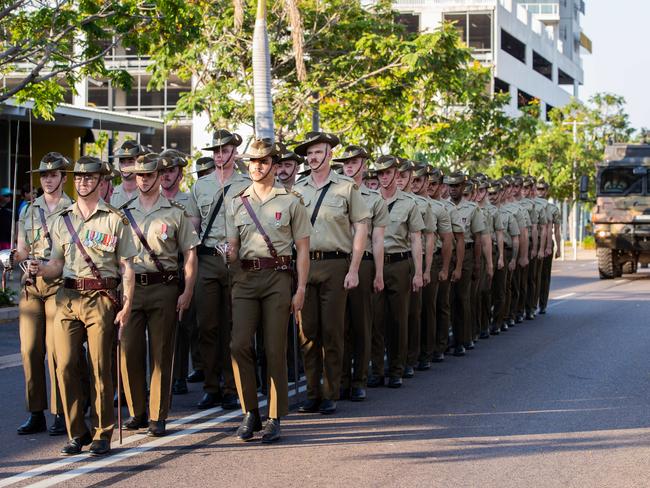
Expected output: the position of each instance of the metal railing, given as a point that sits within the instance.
(546, 9)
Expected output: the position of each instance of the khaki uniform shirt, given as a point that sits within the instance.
(120, 197)
(40, 248)
(283, 218)
(522, 215)
(341, 206)
(105, 236)
(378, 212)
(529, 206)
(540, 206)
(206, 193)
(441, 219)
(454, 217)
(186, 200)
(553, 213)
(472, 219)
(405, 218)
(427, 217)
(168, 231)
(493, 219)
(510, 224)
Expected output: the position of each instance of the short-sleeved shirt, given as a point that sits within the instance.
(342, 206)
(120, 196)
(541, 206)
(105, 235)
(522, 215)
(282, 216)
(493, 219)
(31, 225)
(553, 213)
(510, 224)
(472, 219)
(441, 219)
(186, 200)
(168, 231)
(427, 217)
(405, 219)
(529, 206)
(454, 217)
(206, 193)
(378, 212)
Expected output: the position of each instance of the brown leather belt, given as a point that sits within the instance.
(91, 283)
(319, 255)
(145, 279)
(283, 263)
(207, 251)
(396, 257)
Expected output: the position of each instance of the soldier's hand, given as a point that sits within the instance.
(549, 252)
(558, 254)
(417, 282)
(523, 261)
(122, 316)
(540, 254)
(297, 301)
(351, 280)
(183, 303)
(33, 267)
(443, 275)
(378, 284)
(426, 278)
(512, 265)
(500, 263)
(456, 275)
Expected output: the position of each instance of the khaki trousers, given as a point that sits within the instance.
(500, 290)
(186, 331)
(414, 323)
(443, 311)
(545, 280)
(428, 334)
(321, 333)
(37, 309)
(533, 277)
(358, 329)
(85, 316)
(213, 313)
(153, 315)
(393, 310)
(263, 298)
(459, 298)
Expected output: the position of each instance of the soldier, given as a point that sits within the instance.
(404, 181)
(501, 285)
(370, 179)
(91, 248)
(440, 266)
(554, 229)
(403, 239)
(538, 220)
(474, 233)
(161, 230)
(495, 227)
(338, 215)
(264, 221)
(126, 156)
(211, 194)
(37, 305)
(204, 166)
(288, 166)
(358, 323)
(545, 228)
(442, 306)
(106, 187)
(171, 176)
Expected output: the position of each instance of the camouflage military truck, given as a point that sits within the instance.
(621, 215)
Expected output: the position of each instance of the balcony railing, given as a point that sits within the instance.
(547, 10)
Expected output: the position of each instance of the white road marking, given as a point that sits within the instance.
(618, 282)
(11, 361)
(114, 458)
(566, 295)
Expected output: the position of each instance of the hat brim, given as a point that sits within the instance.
(233, 140)
(331, 139)
(358, 154)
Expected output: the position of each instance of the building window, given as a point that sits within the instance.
(549, 109)
(175, 87)
(542, 65)
(524, 99)
(501, 86)
(474, 29)
(513, 46)
(410, 21)
(563, 78)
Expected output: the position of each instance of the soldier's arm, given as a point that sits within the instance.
(515, 253)
(501, 256)
(447, 244)
(378, 257)
(128, 286)
(460, 255)
(302, 270)
(486, 244)
(358, 246)
(478, 249)
(22, 249)
(535, 235)
(558, 240)
(190, 269)
(523, 247)
(542, 240)
(416, 250)
(52, 270)
(429, 248)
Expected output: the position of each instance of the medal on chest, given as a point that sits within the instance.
(163, 232)
(99, 240)
(278, 217)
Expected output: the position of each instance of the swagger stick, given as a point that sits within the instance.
(118, 363)
(7, 257)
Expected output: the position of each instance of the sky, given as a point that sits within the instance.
(620, 63)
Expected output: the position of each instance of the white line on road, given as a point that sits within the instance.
(566, 295)
(112, 459)
(11, 360)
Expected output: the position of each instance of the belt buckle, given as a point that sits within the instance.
(318, 255)
(79, 284)
(256, 264)
(144, 279)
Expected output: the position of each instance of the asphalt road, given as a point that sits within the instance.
(559, 401)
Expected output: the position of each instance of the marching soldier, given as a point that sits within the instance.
(211, 194)
(370, 180)
(161, 230)
(539, 246)
(37, 305)
(440, 267)
(402, 240)
(404, 181)
(358, 323)
(554, 230)
(106, 187)
(288, 167)
(91, 248)
(338, 215)
(474, 229)
(126, 156)
(264, 221)
(204, 166)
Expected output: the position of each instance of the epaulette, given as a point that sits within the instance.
(299, 195)
(241, 192)
(125, 221)
(124, 205)
(177, 205)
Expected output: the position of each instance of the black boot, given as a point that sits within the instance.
(251, 424)
(34, 424)
(58, 427)
(271, 431)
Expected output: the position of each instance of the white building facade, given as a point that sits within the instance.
(533, 47)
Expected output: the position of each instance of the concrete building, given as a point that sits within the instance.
(534, 47)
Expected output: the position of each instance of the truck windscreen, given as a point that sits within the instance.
(620, 181)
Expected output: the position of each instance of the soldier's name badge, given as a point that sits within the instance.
(278, 217)
(163, 232)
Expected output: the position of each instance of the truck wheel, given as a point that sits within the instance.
(629, 267)
(607, 266)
